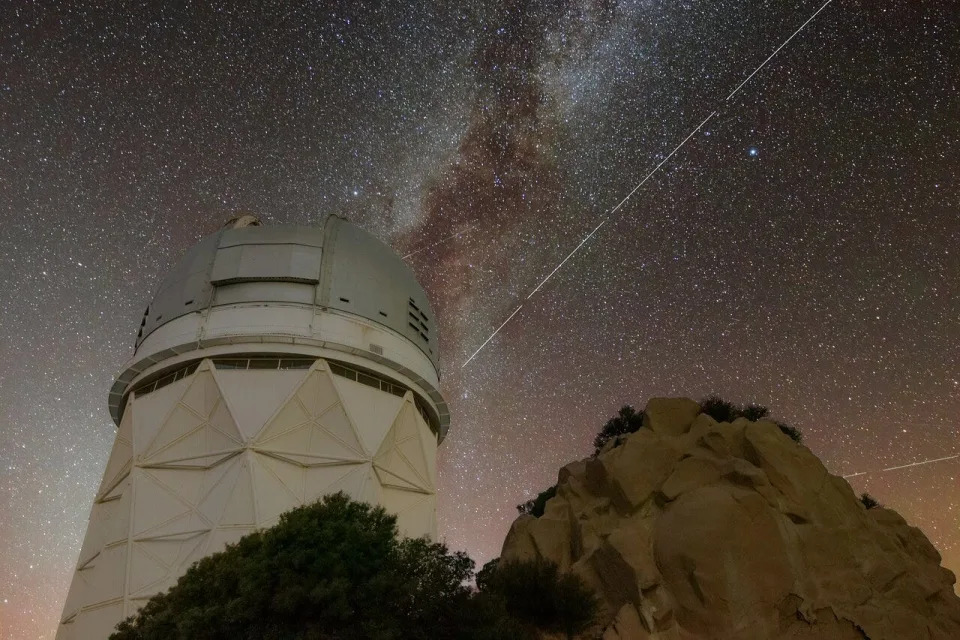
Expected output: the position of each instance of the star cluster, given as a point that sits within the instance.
(800, 251)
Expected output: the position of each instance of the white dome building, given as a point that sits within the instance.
(275, 365)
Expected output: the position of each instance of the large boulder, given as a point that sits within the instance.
(691, 528)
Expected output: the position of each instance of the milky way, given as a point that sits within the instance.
(800, 251)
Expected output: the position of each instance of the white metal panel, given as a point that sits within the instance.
(189, 494)
(301, 235)
(121, 457)
(276, 493)
(185, 288)
(276, 322)
(95, 624)
(183, 330)
(363, 276)
(349, 331)
(373, 413)
(249, 320)
(254, 261)
(149, 412)
(430, 444)
(255, 396)
(416, 512)
(240, 292)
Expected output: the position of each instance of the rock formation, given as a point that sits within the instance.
(690, 528)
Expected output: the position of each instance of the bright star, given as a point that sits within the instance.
(754, 152)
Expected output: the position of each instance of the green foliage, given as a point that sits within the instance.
(792, 432)
(536, 506)
(627, 420)
(331, 569)
(539, 596)
(486, 572)
(723, 411)
(754, 412)
(869, 501)
(337, 570)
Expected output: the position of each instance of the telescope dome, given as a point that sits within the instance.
(288, 285)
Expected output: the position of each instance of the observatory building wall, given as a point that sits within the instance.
(262, 396)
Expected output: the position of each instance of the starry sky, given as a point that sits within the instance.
(800, 251)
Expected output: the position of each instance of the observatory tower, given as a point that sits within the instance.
(275, 365)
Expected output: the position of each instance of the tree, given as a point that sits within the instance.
(869, 501)
(792, 432)
(719, 409)
(754, 412)
(537, 595)
(486, 573)
(537, 506)
(333, 570)
(627, 420)
(723, 411)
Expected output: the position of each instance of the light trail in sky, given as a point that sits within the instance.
(904, 466)
(621, 203)
(777, 50)
(570, 255)
(609, 214)
(491, 336)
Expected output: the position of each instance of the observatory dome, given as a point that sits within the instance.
(273, 366)
(287, 288)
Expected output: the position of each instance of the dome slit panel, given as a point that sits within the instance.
(265, 262)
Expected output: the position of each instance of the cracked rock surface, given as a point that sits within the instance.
(690, 528)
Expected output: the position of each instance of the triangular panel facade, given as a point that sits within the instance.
(204, 461)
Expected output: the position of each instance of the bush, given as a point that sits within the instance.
(536, 506)
(754, 412)
(539, 596)
(792, 432)
(723, 411)
(869, 501)
(338, 570)
(719, 409)
(627, 420)
(486, 573)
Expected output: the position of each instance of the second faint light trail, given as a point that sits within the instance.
(918, 463)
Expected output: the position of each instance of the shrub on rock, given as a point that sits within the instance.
(723, 411)
(627, 420)
(792, 432)
(537, 506)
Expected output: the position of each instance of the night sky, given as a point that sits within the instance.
(801, 251)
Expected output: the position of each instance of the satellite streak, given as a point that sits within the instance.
(905, 466)
(491, 337)
(662, 162)
(570, 255)
(430, 246)
(785, 43)
(646, 178)
(620, 204)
